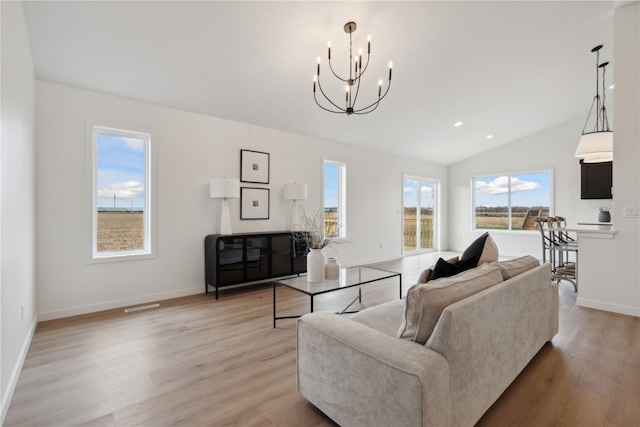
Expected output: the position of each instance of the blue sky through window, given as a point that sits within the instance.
(410, 193)
(331, 175)
(527, 190)
(120, 171)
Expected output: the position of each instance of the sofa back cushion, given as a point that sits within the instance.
(513, 267)
(425, 301)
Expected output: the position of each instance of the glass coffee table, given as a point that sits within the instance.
(349, 277)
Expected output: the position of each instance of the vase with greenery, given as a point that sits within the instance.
(312, 233)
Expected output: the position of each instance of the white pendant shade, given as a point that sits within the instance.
(598, 158)
(596, 147)
(294, 191)
(224, 188)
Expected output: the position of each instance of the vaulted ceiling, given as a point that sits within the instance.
(503, 68)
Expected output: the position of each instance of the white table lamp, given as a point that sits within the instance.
(225, 188)
(294, 191)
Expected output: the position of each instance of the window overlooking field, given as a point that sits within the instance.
(121, 182)
(511, 202)
(334, 198)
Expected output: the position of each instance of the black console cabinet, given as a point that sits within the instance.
(241, 258)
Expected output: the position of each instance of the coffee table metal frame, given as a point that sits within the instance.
(349, 278)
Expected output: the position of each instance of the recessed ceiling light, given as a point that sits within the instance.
(489, 136)
(458, 124)
(612, 86)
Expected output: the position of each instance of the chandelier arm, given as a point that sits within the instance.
(355, 98)
(363, 69)
(359, 111)
(334, 73)
(326, 97)
(341, 111)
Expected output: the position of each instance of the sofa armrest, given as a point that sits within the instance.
(359, 376)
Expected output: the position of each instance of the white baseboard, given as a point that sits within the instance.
(92, 308)
(615, 308)
(15, 373)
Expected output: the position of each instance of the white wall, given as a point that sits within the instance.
(17, 198)
(608, 271)
(552, 149)
(189, 150)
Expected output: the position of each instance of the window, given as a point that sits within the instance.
(418, 225)
(334, 198)
(511, 202)
(121, 196)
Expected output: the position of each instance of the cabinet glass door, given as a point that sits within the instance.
(281, 247)
(230, 259)
(257, 251)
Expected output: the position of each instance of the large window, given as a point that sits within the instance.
(511, 202)
(334, 198)
(121, 193)
(419, 197)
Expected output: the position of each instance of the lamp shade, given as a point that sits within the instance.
(224, 188)
(294, 191)
(598, 158)
(596, 147)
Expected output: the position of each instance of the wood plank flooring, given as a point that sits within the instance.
(198, 361)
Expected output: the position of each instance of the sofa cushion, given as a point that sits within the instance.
(384, 317)
(483, 249)
(448, 269)
(513, 267)
(424, 302)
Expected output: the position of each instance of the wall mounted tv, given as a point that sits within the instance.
(596, 180)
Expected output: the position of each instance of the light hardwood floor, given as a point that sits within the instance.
(198, 361)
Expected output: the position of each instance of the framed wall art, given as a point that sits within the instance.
(254, 203)
(254, 167)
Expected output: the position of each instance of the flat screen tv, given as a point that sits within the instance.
(596, 180)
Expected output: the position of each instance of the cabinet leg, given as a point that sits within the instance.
(274, 304)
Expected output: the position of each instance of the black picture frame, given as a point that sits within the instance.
(254, 166)
(254, 203)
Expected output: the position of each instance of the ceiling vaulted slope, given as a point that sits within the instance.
(504, 68)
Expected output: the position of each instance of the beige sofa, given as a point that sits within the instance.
(360, 372)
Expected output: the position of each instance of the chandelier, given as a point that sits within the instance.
(596, 144)
(352, 87)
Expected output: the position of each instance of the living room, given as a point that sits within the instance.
(45, 273)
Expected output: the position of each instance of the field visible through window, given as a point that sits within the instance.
(120, 231)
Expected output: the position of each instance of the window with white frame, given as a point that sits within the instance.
(511, 201)
(120, 194)
(334, 198)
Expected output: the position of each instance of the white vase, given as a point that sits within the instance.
(315, 265)
(332, 269)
